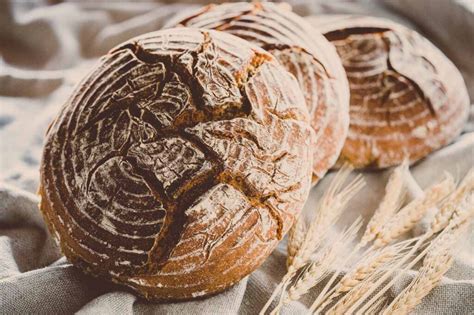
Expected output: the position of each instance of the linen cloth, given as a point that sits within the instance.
(46, 49)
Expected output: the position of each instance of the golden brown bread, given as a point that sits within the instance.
(407, 98)
(301, 50)
(177, 164)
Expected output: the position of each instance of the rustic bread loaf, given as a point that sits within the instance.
(177, 164)
(407, 98)
(301, 50)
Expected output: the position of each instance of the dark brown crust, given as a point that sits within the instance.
(303, 52)
(177, 165)
(407, 98)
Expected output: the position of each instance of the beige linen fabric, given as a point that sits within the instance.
(45, 50)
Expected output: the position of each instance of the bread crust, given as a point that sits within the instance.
(304, 52)
(407, 98)
(177, 164)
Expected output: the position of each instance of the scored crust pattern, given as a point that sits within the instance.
(302, 51)
(407, 98)
(177, 164)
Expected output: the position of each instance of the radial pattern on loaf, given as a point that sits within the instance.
(407, 98)
(177, 164)
(302, 51)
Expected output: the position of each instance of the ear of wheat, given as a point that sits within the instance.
(462, 195)
(435, 264)
(362, 270)
(391, 202)
(369, 263)
(409, 215)
(295, 239)
(352, 296)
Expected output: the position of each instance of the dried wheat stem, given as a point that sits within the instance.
(320, 268)
(377, 307)
(394, 196)
(286, 278)
(409, 215)
(323, 294)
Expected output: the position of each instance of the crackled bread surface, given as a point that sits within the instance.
(407, 98)
(304, 52)
(177, 164)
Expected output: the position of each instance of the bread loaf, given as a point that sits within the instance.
(177, 164)
(301, 50)
(407, 98)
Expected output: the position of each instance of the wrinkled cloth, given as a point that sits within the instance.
(46, 49)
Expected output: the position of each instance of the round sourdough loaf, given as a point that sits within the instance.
(407, 98)
(304, 52)
(177, 164)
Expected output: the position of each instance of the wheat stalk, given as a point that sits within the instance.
(328, 212)
(392, 199)
(371, 262)
(454, 227)
(377, 307)
(345, 303)
(376, 266)
(320, 268)
(435, 264)
(409, 215)
(428, 278)
(394, 196)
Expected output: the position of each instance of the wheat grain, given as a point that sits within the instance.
(457, 204)
(391, 201)
(364, 269)
(295, 239)
(409, 215)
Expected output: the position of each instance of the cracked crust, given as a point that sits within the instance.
(407, 98)
(303, 52)
(177, 164)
